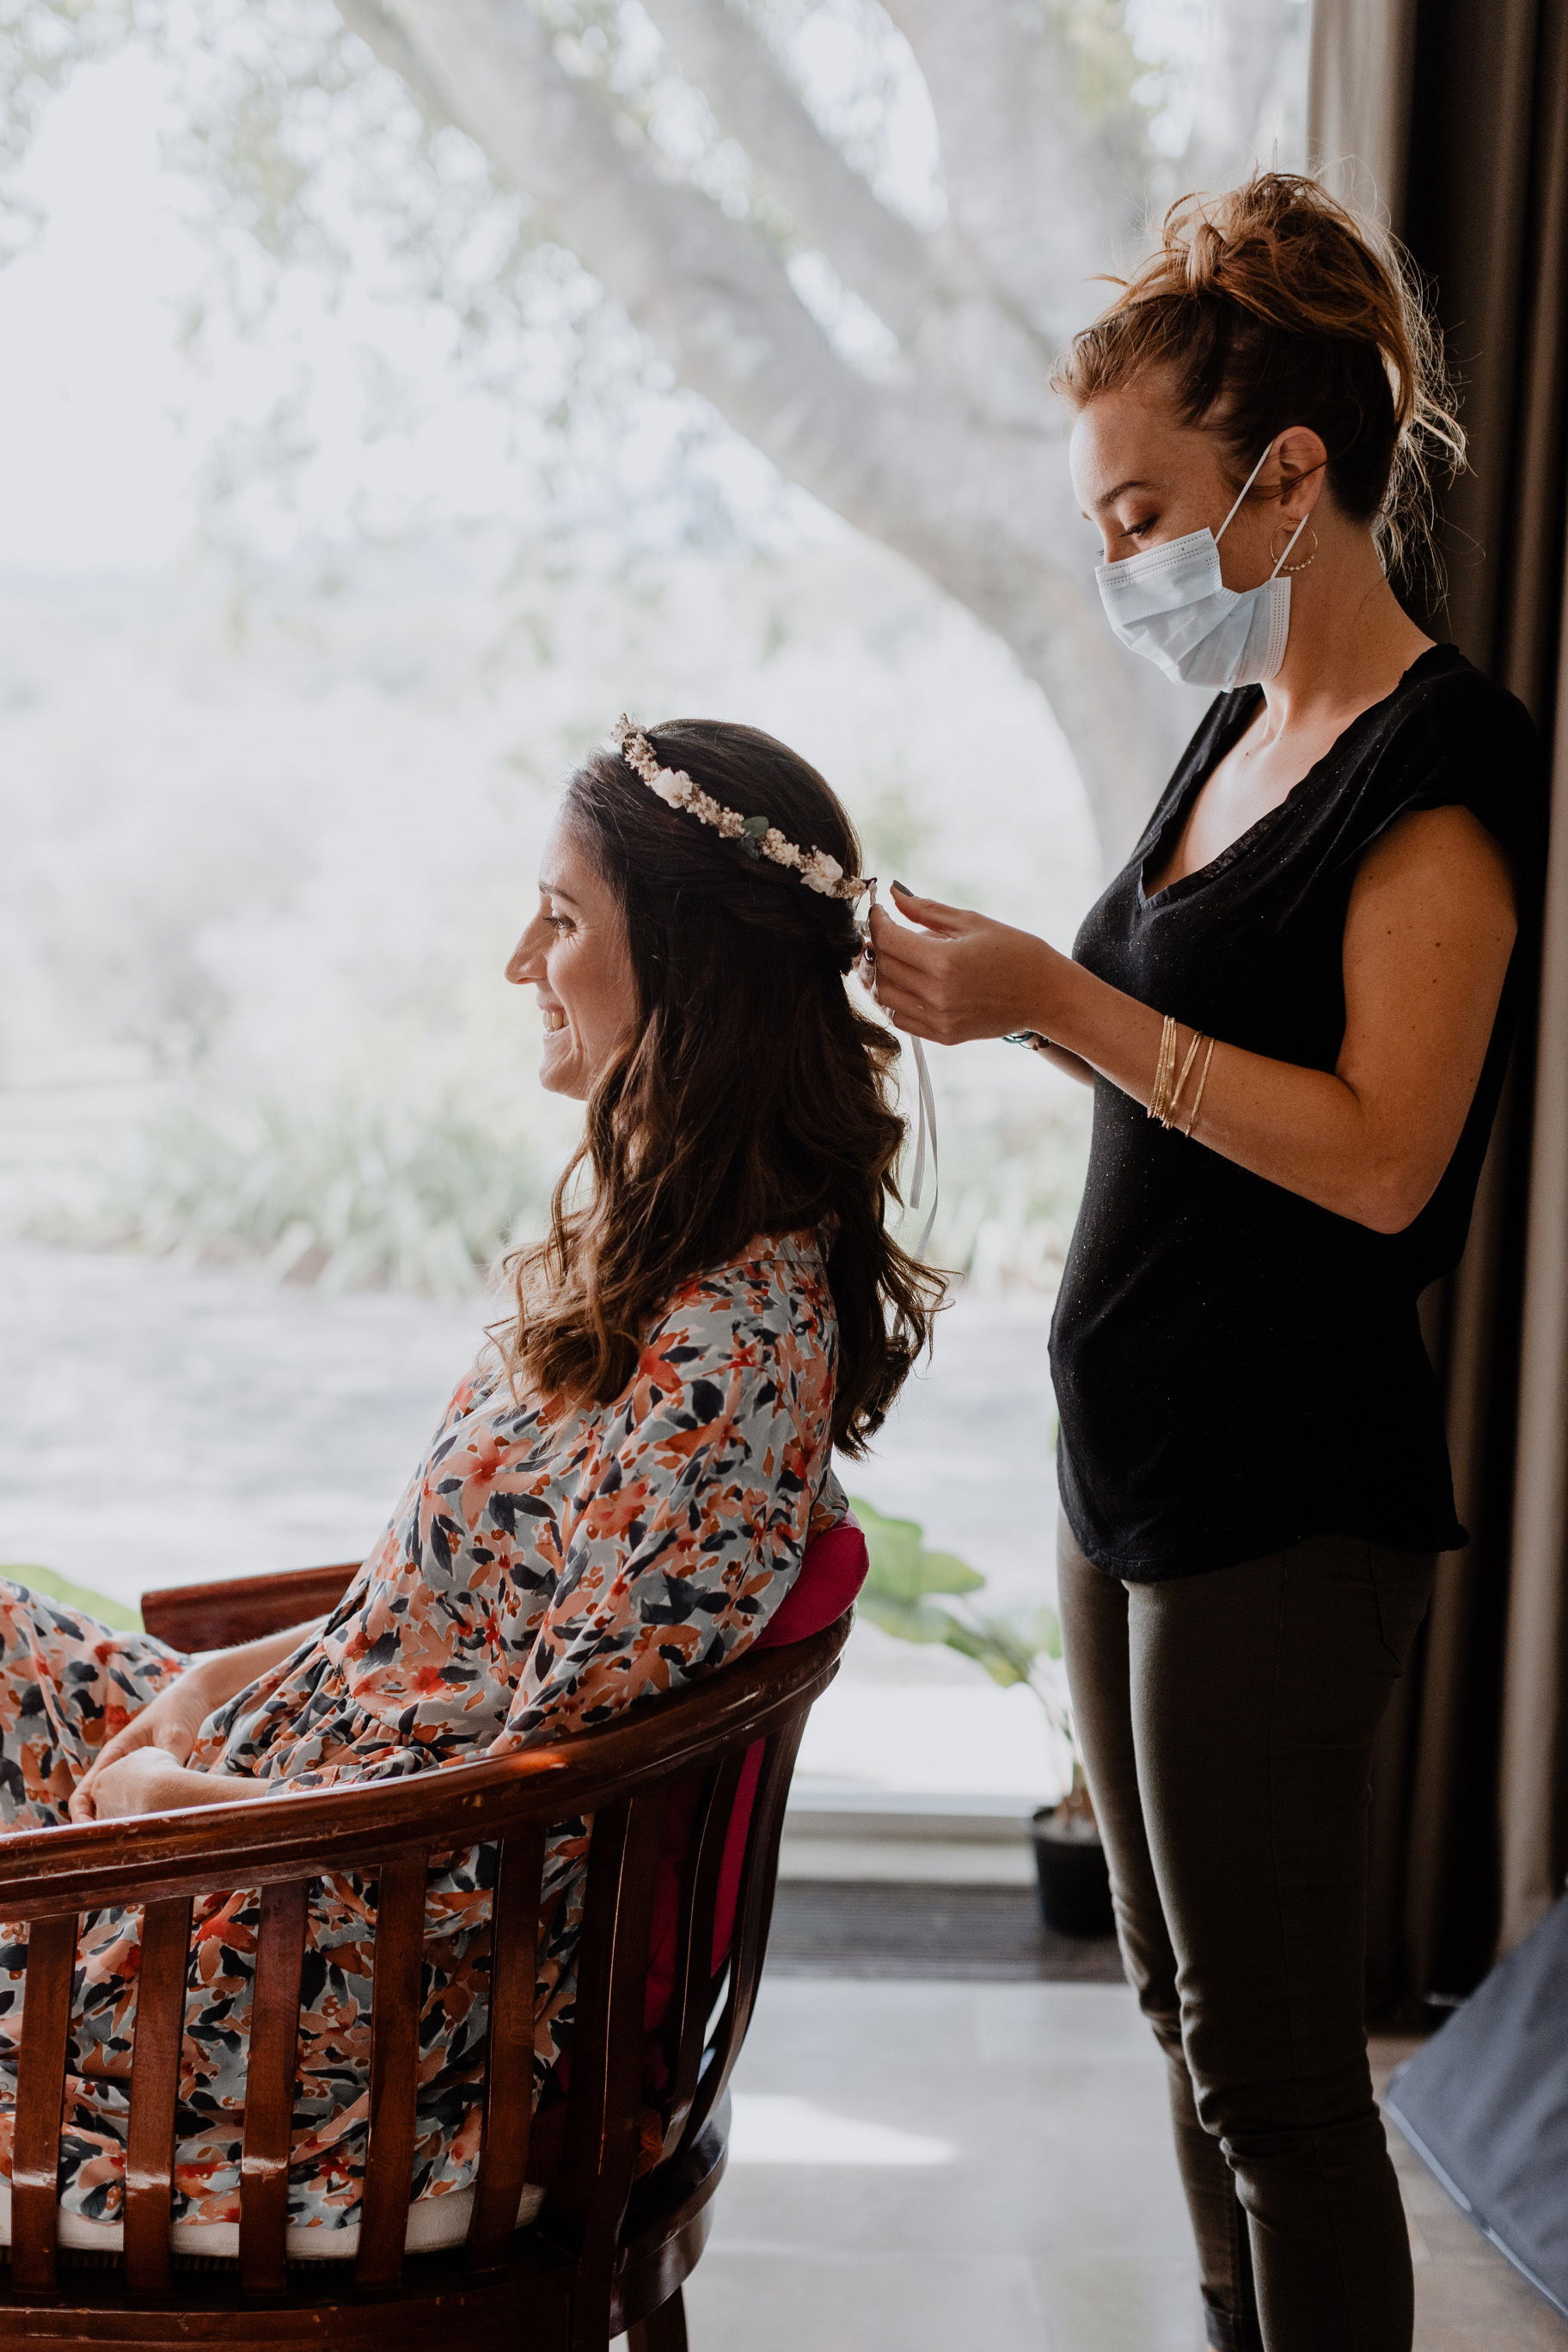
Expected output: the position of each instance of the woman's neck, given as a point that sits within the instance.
(1351, 640)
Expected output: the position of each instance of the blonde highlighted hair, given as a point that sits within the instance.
(1273, 305)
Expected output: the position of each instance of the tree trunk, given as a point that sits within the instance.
(957, 460)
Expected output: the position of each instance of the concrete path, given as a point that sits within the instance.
(943, 2167)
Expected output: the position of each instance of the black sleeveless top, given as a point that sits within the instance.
(1236, 1369)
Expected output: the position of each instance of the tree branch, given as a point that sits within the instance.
(886, 259)
(1031, 189)
(714, 297)
(985, 511)
(933, 293)
(708, 291)
(390, 45)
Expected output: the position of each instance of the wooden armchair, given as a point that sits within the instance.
(681, 1791)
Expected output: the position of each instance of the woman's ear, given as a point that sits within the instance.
(1301, 458)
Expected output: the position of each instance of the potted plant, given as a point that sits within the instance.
(909, 1593)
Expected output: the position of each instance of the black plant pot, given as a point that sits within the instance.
(1075, 1884)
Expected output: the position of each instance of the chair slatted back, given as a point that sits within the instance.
(398, 1957)
(753, 1916)
(696, 1978)
(509, 2064)
(155, 2088)
(270, 2086)
(623, 1775)
(40, 2098)
(587, 2201)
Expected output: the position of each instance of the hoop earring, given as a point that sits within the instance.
(1283, 530)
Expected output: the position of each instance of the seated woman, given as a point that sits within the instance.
(618, 1494)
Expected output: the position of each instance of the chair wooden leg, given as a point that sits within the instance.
(663, 2330)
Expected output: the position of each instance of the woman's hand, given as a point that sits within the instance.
(147, 1779)
(168, 1724)
(960, 975)
(165, 1731)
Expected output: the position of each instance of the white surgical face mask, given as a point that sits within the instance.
(1171, 603)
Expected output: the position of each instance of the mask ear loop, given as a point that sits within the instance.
(1242, 493)
(1225, 525)
(925, 1100)
(1230, 517)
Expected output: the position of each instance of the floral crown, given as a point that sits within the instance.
(756, 837)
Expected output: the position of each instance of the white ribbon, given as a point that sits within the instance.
(926, 1127)
(925, 1100)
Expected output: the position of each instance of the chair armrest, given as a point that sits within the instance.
(259, 1841)
(220, 1616)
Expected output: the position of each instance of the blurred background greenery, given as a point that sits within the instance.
(405, 391)
(378, 458)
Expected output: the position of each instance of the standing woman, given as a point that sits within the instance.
(1294, 1005)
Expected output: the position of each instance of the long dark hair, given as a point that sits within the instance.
(754, 1097)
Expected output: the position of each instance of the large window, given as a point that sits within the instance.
(370, 453)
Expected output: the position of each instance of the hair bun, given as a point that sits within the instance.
(1205, 259)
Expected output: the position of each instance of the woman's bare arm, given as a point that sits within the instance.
(1427, 938)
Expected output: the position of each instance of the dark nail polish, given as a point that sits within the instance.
(905, 888)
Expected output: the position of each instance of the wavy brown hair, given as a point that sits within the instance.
(1274, 305)
(752, 1097)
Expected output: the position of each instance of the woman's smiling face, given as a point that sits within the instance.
(575, 953)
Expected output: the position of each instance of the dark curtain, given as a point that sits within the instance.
(1470, 1834)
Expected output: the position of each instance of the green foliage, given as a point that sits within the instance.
(373, 1191)
(1108, 70)
(897, 1595)
(1008, 1648)
(352, 1195)
(904, 1574)
(53, 1587)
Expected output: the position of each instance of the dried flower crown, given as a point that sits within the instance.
(755, 836)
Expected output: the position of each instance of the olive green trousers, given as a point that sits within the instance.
(1227, 1722)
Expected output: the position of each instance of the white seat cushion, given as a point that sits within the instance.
(433, 2222)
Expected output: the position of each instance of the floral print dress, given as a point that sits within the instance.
(548, 1566)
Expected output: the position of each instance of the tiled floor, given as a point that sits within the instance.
(938, 2167)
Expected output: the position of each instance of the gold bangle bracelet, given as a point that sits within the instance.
(1169, 1082)
(1198, 1096)
(1164, 1063)
(1172, 1117)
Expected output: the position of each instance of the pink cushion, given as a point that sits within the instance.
(834, 1568)
(831, 1574)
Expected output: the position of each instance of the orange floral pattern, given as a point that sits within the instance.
(548, 1566)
